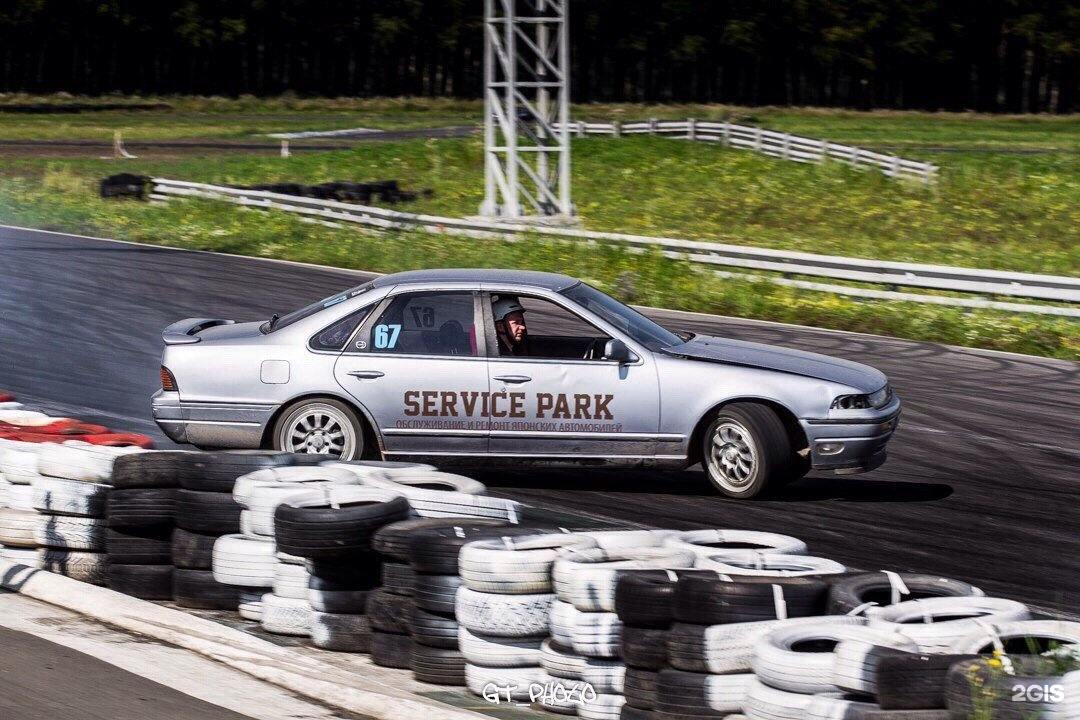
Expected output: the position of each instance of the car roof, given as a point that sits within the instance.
(546, 280)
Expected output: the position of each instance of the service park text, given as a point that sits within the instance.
(443, 403)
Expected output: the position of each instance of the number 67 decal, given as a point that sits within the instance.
(386, 336)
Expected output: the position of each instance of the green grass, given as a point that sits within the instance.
(1005, 211)
(217, 118)
(243, 117)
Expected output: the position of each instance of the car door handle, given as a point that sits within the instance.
(366, 374)
(513, 379)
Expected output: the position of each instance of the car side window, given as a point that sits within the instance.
(334, 337)
(553, 332)
(434, 323)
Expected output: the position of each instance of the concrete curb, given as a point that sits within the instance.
(261, 659)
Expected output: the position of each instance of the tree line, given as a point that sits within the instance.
(986, 55)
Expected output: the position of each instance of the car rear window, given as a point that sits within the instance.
(313, 308)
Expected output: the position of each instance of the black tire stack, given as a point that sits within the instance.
(344, 571)
(432, 547)
(699, 601)
(141, 512)
(205, 511)
(643, 603)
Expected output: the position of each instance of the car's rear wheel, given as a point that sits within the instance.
(320, 426)
(744, 448)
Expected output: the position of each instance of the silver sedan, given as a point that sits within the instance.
(500, 366)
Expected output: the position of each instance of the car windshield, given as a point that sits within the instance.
(630, 321)
(313, 308)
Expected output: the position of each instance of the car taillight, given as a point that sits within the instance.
(168, 382)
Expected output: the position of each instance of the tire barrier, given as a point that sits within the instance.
(747, 562)
(643, 625)
(710, 542)
(587, 579)
(936, 623)
(888, 588)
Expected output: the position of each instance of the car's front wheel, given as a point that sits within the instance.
(744, 448)
(320, 426)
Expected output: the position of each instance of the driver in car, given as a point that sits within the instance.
(510, 326)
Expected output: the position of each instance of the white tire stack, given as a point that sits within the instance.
(435, 494)
(585, 580)
(18, 468)
(250, 560)
(69, 494)
(918, 619)
(504, 607)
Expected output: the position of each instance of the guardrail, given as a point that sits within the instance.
(784, 262)
(768, 142)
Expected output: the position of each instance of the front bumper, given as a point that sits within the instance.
(852, 445)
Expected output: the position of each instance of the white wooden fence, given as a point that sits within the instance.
(768, 142)
(786, 267)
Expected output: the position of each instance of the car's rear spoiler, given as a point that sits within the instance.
(186, 332)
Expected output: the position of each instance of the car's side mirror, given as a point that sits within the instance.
(616, 350)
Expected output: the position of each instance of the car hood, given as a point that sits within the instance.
(769, 357)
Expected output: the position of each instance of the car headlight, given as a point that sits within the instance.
(876, 399)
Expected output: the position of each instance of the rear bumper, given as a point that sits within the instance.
(210, 425)
(847, 447)
(169, 415)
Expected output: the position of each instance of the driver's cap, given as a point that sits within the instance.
(504, 306)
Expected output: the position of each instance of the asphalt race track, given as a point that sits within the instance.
(981, 484)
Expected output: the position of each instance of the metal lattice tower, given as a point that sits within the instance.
(526, 108)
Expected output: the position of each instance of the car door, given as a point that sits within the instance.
(418, 366)
(556, 403)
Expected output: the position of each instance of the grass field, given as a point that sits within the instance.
(996, 210)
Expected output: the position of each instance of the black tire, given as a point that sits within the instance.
(437, 593)
(911, 681)
(435, 550)
(208, 513)
(683, 695)
(148, 470)
(197, 589)
(323, 532)
(393, 651)
(339, 596)
(150, 546)
(438, 666)
(148, 582)
(362, 571)
(686, 647)
(341, 632)
(389, 613)
(629, 712)
(851, 591)
(356, 425)
(398, 578)
(644, 648)
(432, 630)
(643, 598)
(192, 551)
(393, 540)
(708, 600)
(763, 433)
(217, 471)
(641, 688)
(141, 508)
